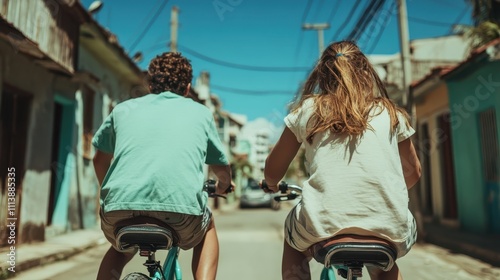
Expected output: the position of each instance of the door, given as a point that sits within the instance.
(14, 119)
(61, 166)
(489, 148)
(447, 168)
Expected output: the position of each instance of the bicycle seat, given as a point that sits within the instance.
(146, 233)
(354, 250)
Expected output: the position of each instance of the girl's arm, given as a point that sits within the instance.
(410, 162)
(280, 158)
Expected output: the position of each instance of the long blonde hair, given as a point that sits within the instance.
(345, 87)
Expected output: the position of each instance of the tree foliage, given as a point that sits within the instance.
(486, 16)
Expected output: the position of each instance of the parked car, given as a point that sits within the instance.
(253, 196)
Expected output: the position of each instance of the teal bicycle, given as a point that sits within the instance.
(151, 236)
(347, 254)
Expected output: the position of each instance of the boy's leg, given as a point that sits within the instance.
(206, 255)
(378, 274)
(295, 265)
(112, 264)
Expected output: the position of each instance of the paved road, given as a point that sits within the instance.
(251, 246)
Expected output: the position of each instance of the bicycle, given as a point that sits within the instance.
(346, 253)
(152, 236)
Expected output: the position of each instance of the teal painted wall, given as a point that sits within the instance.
(470, 92)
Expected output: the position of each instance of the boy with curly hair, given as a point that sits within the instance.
(150, 153)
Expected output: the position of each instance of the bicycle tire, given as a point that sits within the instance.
(136, 276)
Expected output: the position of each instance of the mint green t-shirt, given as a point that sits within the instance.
(160, 144)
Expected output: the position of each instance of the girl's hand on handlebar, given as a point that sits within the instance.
(268, 188)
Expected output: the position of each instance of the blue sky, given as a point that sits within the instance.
(264, 33)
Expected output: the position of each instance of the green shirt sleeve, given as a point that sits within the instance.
(104, 138)
(215, 149)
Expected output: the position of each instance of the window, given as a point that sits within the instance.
(489, 144)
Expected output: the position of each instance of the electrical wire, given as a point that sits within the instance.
(429, 22)
(149, 16)
(346, 21)
(383, 27)
(148, 26)
(251, 92)
(241, 66)
(301, 35)
(334, 11)
(371, 10)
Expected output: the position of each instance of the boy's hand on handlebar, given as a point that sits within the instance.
(268, 188)
(223, 190)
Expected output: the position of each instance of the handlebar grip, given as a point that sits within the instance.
(283, 186)
(209, 186)
(263, 185)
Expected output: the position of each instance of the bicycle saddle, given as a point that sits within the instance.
(353, 250)
(146, 233)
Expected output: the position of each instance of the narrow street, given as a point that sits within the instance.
(251, 247)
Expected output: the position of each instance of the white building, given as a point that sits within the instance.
(260, 134)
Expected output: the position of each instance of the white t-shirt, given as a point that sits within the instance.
(355, 188)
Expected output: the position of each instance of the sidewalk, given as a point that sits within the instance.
(63, 246)
(54, 249)
(485, 247)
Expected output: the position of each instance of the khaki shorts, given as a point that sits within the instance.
(190, 229)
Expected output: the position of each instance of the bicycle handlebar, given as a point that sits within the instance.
(284, 187)
(210, 187)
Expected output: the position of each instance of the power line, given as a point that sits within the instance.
(148, 26)
(301, 35)
(334, 11)
(382, 28)
(149, 16)
(241, 66)
(306, 10)
(251, 92)
(365, 19)
(346, 21)
(429, 22)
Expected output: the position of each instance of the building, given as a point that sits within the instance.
(60, 75)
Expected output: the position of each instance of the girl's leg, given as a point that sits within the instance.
(112, 264)
(378, 274)
(206, 255)
(295, 265)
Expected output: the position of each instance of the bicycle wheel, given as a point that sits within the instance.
(136, 276)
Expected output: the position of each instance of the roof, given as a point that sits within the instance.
(443, 72)
(473, 56)
(111, 38)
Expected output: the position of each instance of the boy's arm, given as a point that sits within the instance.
(223, 174)
(101, 161)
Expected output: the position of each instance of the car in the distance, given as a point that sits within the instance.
(253, 196)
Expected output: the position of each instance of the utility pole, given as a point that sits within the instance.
(404, 42)
(407, 100)
(174, 25)
(318, 27)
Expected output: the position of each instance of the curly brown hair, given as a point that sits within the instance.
(169, 71)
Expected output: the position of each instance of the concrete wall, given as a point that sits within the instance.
(428, 108)
(21, 73)
(471, 92)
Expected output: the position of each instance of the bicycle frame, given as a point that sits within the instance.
(171, 266)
